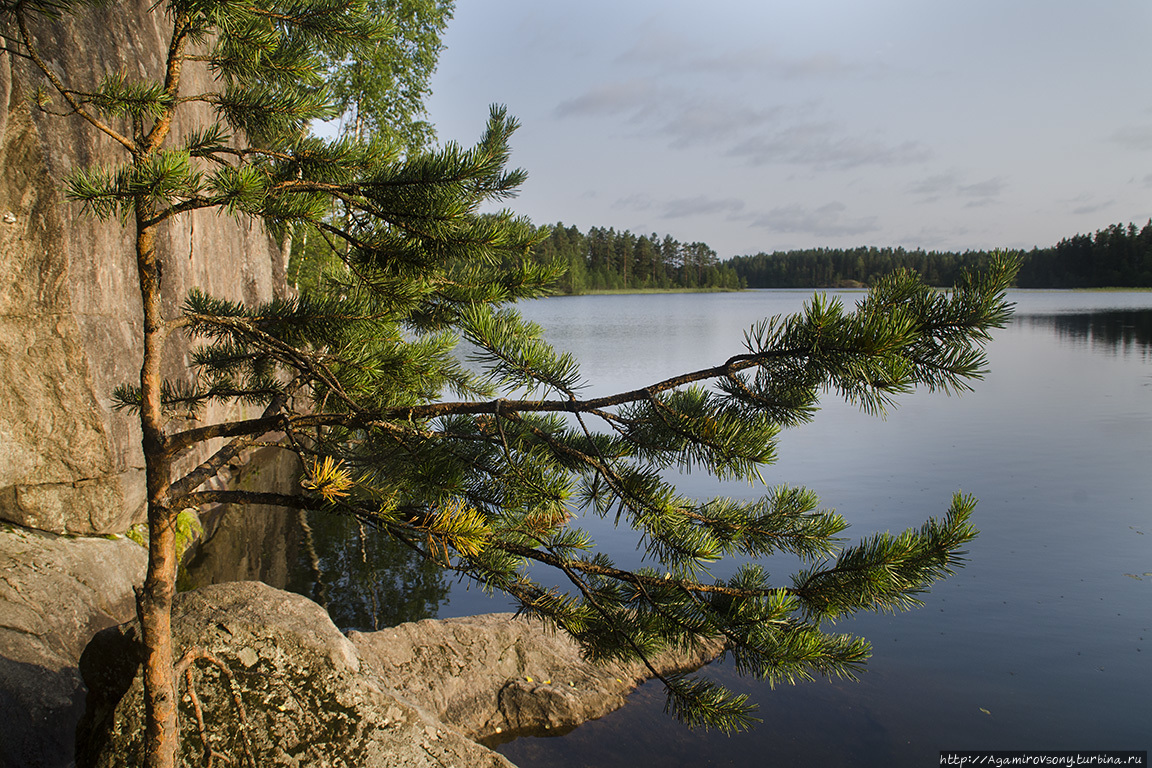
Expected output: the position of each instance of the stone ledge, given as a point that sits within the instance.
(498, 676)
(304, 700)
(421, 694)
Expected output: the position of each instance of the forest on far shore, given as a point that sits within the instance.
(1118, 256)
(607, 260)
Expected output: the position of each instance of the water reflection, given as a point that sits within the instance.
(1123, 331)
(364, 579)
(1041, 639)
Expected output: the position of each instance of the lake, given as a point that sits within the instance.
(1042, 642)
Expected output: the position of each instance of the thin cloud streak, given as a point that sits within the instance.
(828, 220)
(759, 136)
(682, 55)
(826, 146)
(699, 206)
(1135, 137)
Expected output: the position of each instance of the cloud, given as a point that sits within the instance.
(932, 188)
(710, 122)
(687, 118)
(828, 220)
(1084, 204)
(682, 207)
(1138, 137)
(949, 185)
(982, 189)
(658, 49)
(683, 55)
(763, 63)
(826, 145)
(692, 101)
(611, 99)
(637, 202)
(700, 206)
(1093, 207)
(982, 193)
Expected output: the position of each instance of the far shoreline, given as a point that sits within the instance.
(635, 291)
(844, 288)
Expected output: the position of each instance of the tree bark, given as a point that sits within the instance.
(154, 601)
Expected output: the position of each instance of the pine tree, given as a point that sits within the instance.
(481, 466)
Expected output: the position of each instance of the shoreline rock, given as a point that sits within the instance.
(269, 679)
(498, 676)
(56, 592)
(433, 692)
(275, 683)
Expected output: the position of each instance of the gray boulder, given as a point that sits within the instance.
(55, 593)
(274, 683)
(498, 676)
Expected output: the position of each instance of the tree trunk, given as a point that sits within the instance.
(154, 601)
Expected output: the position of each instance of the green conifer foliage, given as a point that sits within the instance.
(481, 464)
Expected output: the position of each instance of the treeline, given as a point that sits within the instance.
(1119, 256)
(604, 259)
(1116, 257)
(848, 267)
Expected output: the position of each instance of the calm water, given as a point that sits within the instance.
(1044, 640)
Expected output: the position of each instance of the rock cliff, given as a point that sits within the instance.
(70, 464)
(69, 304)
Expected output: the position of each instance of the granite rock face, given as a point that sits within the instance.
(69, 303)
(499, 676)
(275, 683)
(55, 593)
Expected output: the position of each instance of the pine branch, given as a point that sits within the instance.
(886, 572)
(630, 577)
(246, 498)
(77, 108)
(212, 465)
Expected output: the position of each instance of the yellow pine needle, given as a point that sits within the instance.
(329, 479)
(461, 526)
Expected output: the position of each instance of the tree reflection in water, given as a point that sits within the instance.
(1123, 331)
(364, 579)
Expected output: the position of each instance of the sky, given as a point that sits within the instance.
(761, 125)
